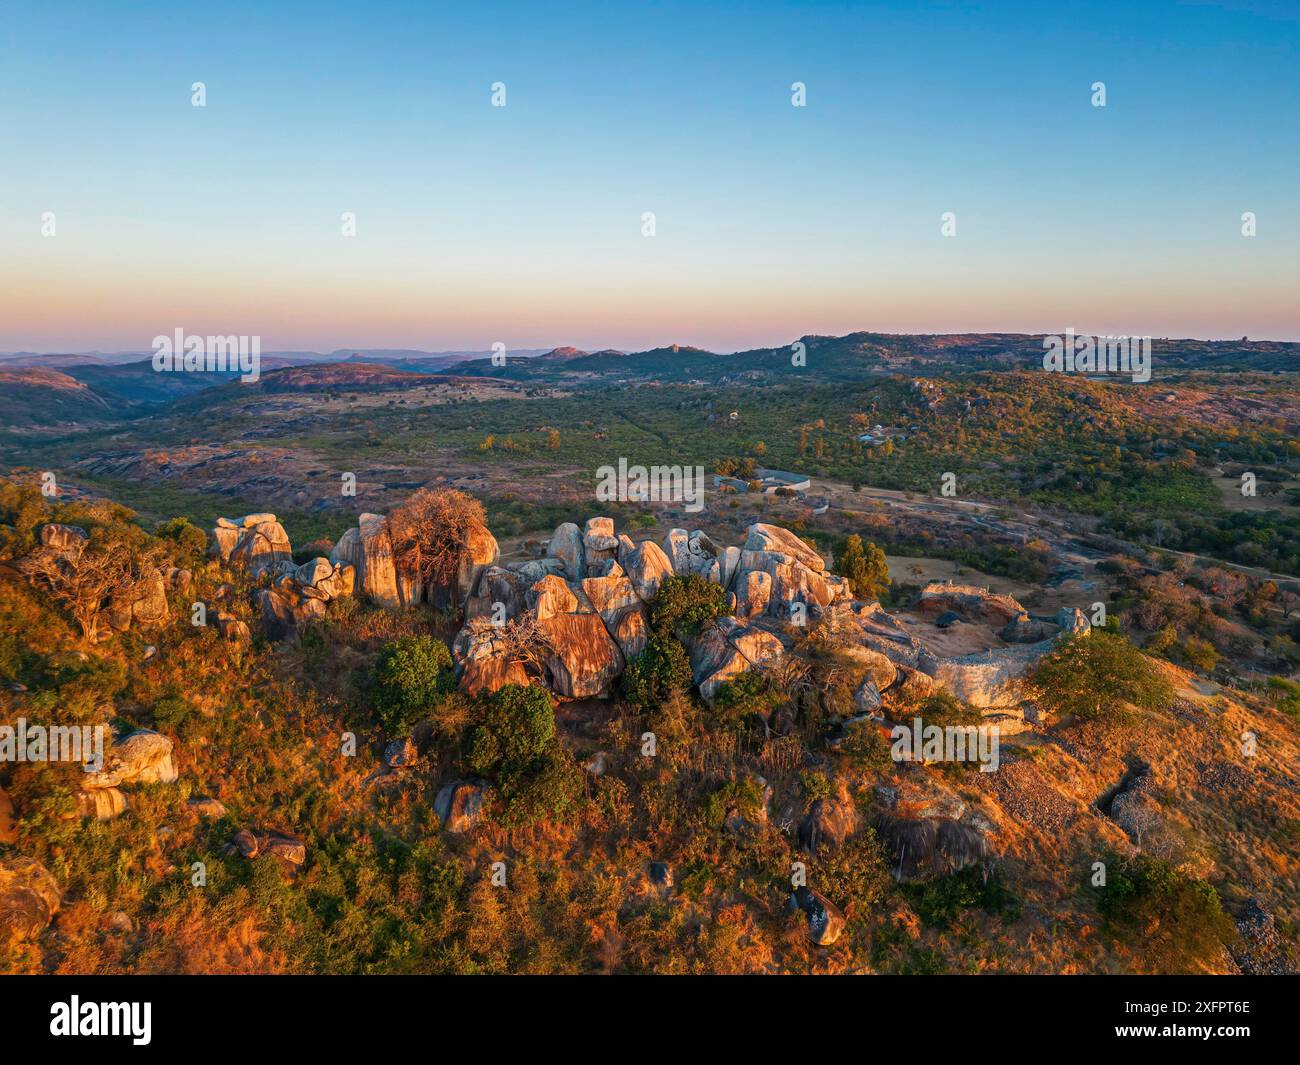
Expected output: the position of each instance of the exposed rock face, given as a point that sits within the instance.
(831, 821)
(256, 542)
(931, 846)
(481, 552)
(990, 678)
(377, 573)
(498, 585)
(63, 537)
(866, 699)
(724, 649)
(599, 543)
(647, 567)
(103, 804)
(348, 550)
(484, 661)
(143, 757)
(588, 599)
(459, 805)
(286, 608)
(1024, 629)
(143, 604)
(753, 593)
(29, 895)
(566, 545)
(584, 661)
(775, 540)
(551, 596)
(825, 921)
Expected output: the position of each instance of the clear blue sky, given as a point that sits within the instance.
(523, 224)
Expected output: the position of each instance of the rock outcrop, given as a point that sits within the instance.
(29, 895)
(256, 542)
(143, 757)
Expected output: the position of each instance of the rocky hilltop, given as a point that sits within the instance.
(584, 602)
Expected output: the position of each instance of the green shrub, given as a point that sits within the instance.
(1174, 921)
(515, 746)
(413, 676)
(937, 902)
(191, 541)
(1095, 674)
(683, 604)
(748, 695)
(662, 668)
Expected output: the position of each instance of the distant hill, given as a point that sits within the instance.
(139, 382)
(337, 375)
(40, 397)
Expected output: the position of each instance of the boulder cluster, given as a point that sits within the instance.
(585, 602)
(574, 617)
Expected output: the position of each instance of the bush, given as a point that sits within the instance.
(191, 541)
(414, 676)
(1095, 674)
(515, 746)
(1201, 654)
(663, 667)
(685, 603)
(937, 902)
(1173, 920)
(748, 695)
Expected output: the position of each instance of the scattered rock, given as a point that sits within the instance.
(831, 820)
(213, 809)
(825, 921)
(103, 804)
(29, 895)
(459, 805)
(143, 757)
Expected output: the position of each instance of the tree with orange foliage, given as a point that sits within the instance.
(430, 533)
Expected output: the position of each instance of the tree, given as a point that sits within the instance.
(553, 439)
(430, 533)
(865, 568)
(1095, 674)
(87, 573)
(414, 675)
(515, 745)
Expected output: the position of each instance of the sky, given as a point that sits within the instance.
(523, 224)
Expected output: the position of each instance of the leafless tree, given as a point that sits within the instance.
(430, 533)
(86, 574)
